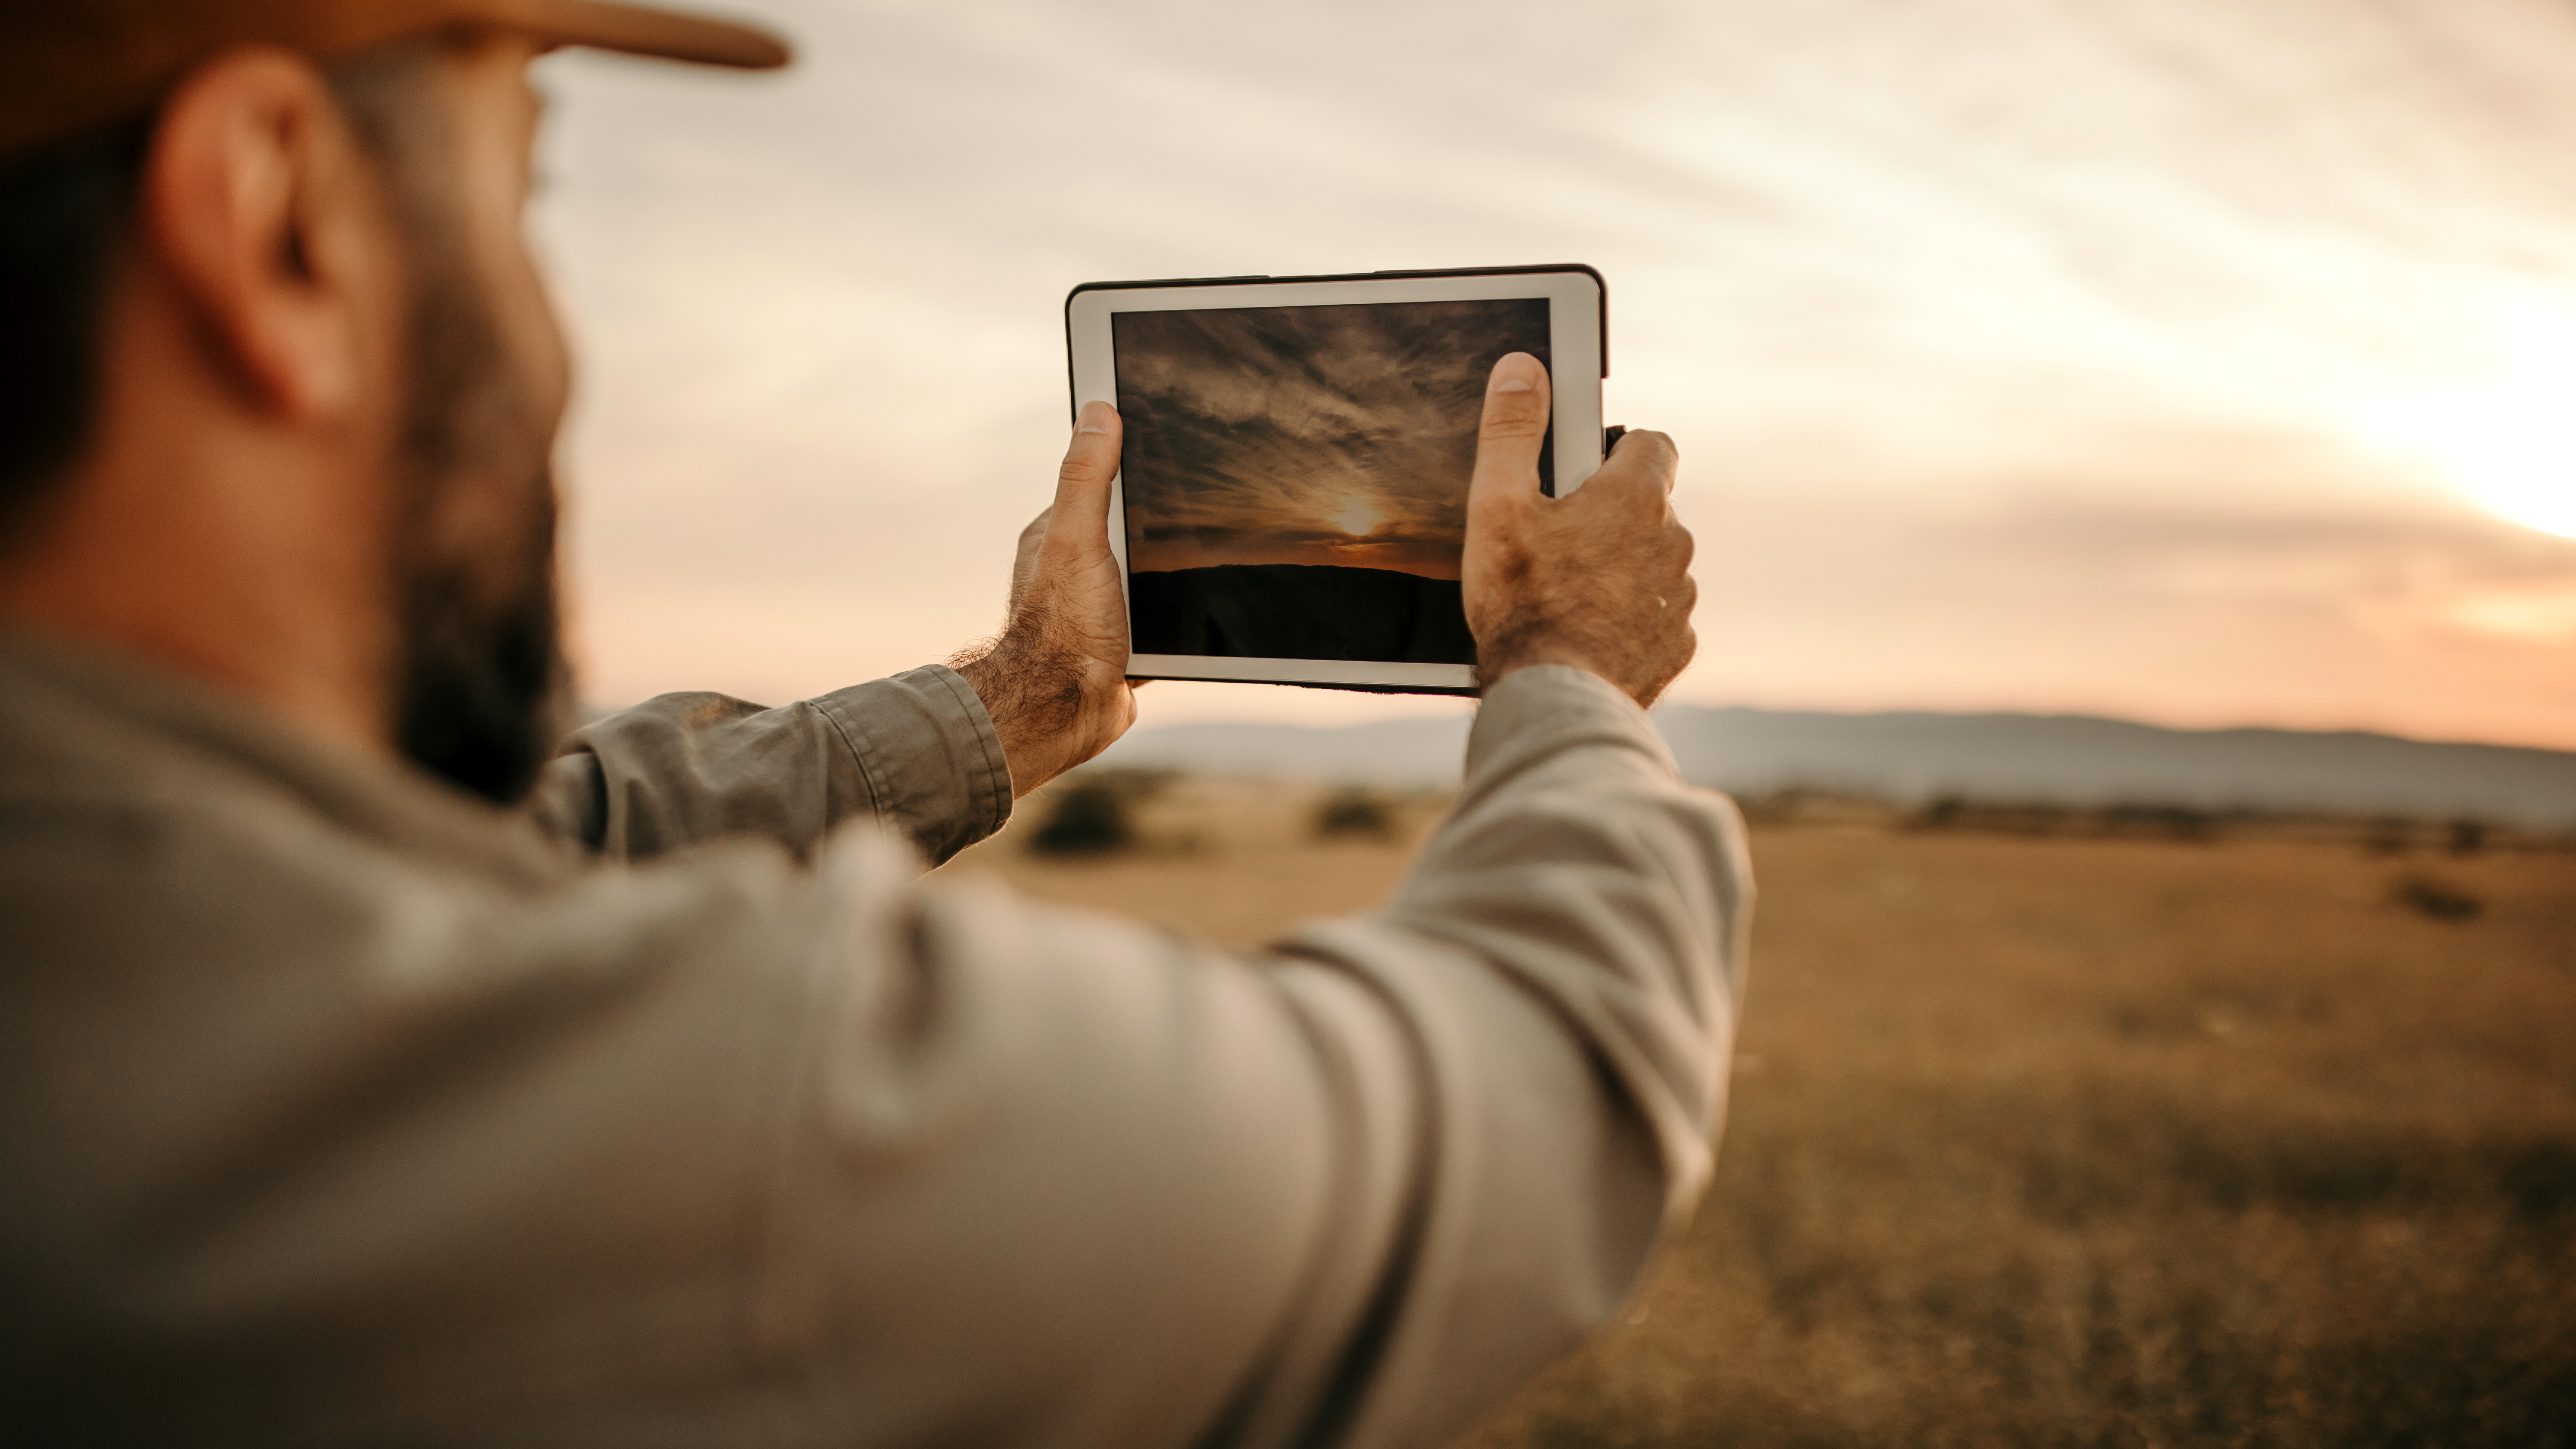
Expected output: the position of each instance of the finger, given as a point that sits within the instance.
(1082, 484)
(1645, 456)
(1517, 403)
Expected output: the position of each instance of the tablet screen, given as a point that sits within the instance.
(1296, 477)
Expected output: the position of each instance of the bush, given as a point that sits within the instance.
(1354, 811)
(1094, 811)
(1090, 818)
(2436, 898)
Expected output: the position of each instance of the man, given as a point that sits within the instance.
(368, 1077)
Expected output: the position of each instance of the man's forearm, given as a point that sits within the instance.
(915, 752)
(1591, 917)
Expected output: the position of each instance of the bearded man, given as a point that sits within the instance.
(379, 1065)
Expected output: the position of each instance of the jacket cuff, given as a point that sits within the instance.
(933, 765)
(1530, 714)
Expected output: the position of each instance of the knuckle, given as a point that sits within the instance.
(1659, 461)
(1642, 481)
(1644, 452)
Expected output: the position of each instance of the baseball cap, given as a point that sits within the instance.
(69, 65)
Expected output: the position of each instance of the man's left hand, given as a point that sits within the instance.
(1055, 682)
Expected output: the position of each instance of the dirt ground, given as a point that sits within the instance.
(2046, 1141)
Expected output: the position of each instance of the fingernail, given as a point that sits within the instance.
(1094, 418)
(1511, 384)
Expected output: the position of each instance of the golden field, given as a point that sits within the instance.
(2264, 1138)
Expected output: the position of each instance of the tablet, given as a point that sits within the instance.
(1292, 500)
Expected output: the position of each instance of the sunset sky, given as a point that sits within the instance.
(2194, 361)
(1336, 436)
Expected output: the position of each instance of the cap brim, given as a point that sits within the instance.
(641, 30)
(64, 69)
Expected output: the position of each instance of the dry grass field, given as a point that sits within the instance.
(2266, 1139)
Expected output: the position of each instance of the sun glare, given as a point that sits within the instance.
(2508, 440)
(1356, 516)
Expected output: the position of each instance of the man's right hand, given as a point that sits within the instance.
(1599, 579)
(1055, 682)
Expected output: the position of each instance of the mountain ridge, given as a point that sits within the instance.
(1913, 757)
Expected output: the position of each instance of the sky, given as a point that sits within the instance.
(2188, 361)
(1338, 436)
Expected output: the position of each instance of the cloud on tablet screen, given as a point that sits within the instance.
(1339, 435)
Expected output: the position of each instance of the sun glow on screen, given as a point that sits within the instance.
(1357, 517)
(2507, 439)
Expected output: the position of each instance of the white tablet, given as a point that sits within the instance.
(1292, 501)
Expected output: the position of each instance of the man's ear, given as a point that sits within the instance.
(259, 205)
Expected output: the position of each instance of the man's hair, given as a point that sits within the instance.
(65, 214)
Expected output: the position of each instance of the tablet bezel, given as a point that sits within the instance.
(1578, 335)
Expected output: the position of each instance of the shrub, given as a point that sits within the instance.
(1094, 811)
(1090, 818)
(2436, 898)
(1354, 811)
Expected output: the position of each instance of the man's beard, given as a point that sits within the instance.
(481, 687)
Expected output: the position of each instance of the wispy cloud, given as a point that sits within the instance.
(1339, 435)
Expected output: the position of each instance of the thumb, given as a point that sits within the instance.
(1518, 403)
(1082, 484)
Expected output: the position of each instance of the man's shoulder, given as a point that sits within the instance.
(142, 821)
(92, 742)
(246, 988)
(203, 912)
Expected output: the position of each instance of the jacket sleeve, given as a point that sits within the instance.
(1051, 1178)
(915, 753)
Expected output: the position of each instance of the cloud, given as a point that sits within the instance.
(1315, 435)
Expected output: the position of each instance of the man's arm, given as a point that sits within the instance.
(1057, 1179)
(917, 753)
(1351, 1191)
(937, 754)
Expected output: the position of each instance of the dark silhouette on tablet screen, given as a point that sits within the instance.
(1296, 477)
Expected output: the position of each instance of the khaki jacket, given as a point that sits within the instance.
(336, 1108)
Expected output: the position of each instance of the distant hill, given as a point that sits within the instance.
(1914, 758)
(1300, 611)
